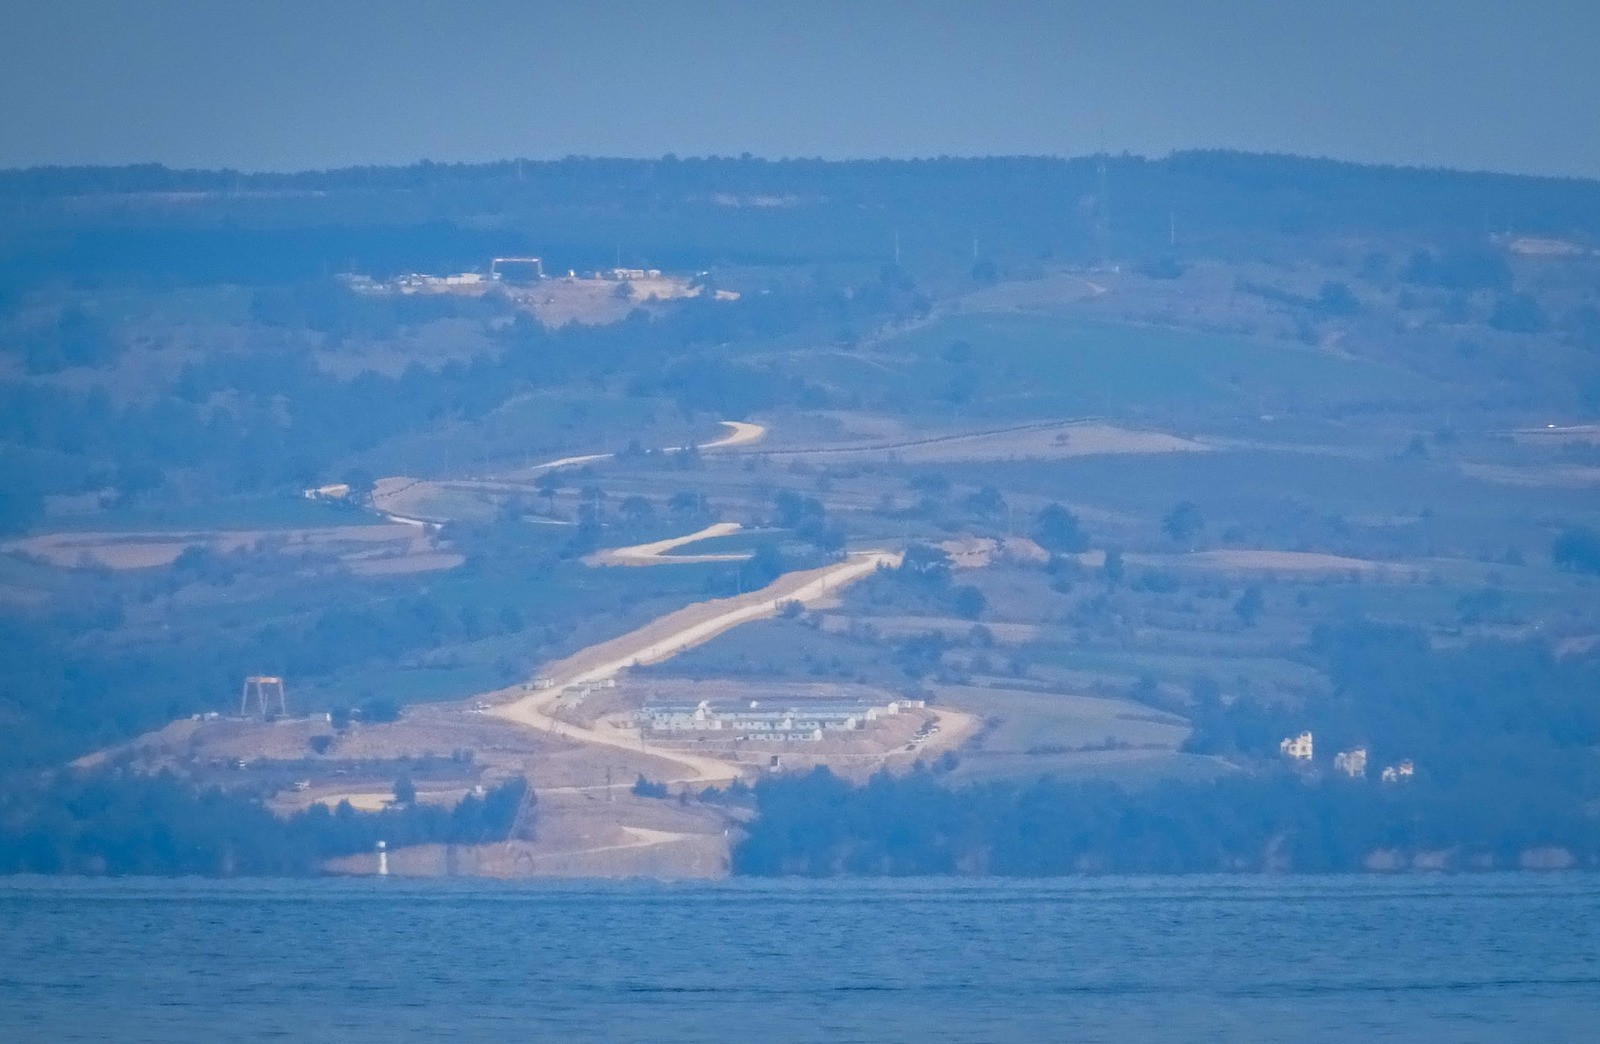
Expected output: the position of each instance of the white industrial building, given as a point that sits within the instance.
(747, 719)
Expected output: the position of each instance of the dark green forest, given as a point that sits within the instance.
(1503, 737)
(122, 825)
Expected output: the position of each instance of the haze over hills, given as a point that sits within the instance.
(1000, 515)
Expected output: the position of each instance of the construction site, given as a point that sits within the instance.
(589, 298)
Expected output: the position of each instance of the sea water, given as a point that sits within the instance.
(1492, 958)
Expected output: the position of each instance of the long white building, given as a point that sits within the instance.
(749, 720)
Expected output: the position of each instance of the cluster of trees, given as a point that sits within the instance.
(282, 228)
(100, 824)
(1511, 713)
(809, 520)
(272, 419)
(1503, 737)
(820, 825)
(924, 577)
(1577, 549)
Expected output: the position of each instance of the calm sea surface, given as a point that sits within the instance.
(1348, 959)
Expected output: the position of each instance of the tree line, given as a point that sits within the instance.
(102, 824)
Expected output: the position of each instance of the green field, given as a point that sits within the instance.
(1021, 368)
(262, 512)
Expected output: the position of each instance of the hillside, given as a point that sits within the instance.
(1126, 490)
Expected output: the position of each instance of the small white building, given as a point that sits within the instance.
(810, 720)
(1352, 763)
(1396, 773)
(1297, 747)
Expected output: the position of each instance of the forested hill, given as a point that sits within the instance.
(88, 224)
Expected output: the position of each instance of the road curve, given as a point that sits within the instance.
(740, 433)
(655, 552)
(665, 638)
(385, 490)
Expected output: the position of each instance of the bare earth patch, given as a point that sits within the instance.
(1278, 562)
(391, 543)
(657, 552)
(1047, 441)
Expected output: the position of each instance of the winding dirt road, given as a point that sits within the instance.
(666, 637)
(656, 552)
(386, 492)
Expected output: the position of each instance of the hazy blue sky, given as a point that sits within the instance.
(278, 84)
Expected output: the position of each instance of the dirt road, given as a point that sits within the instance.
(655, 553)
(666, 637)
(393, 496)
(740, 433)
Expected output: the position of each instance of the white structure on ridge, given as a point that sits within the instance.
(1297, 747)
(1352, 763)
(1395, 773)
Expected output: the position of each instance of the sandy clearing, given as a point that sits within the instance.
(405, 564)
(664, 638)
(404, 499)
(701, 622)
(903, 626)
(530, 713)
(955, 728)
(655, 553)
(1571, 476)
(1280, 561)
(1049, 440)
(638, 837)
(146, 549)
(740, 433)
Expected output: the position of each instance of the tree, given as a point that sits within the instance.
(636, 509)
(968, 602)
(643, 787)
(1577, 549)
(591, 504)
(1057, 530)
(764, 566)
(796, 510)
(1517, 313)
(926, 561)
(987, 502)
(361, 482)
(405, 791)
(1249, 606)
(548, 484)
(687, 502)
(1164, 267)
(1337, 299)
(1183, 522)
(1205, 693)
(957, 353)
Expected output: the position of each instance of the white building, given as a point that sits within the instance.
(1352, 763)
(1297, 747)
(1395, 773)
(748, 720)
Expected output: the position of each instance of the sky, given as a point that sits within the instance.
(1505, 85)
